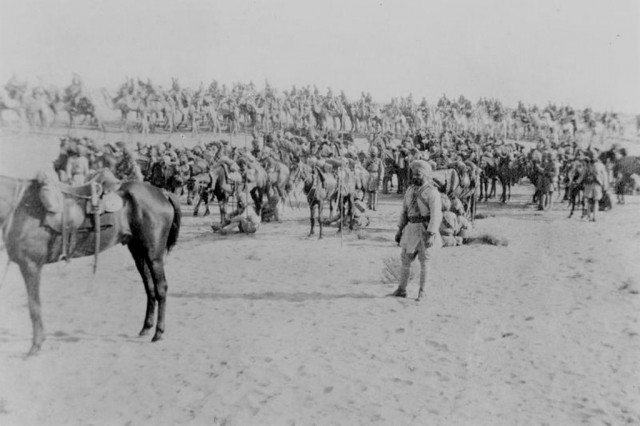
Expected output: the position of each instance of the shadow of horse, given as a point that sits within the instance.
(273, 295)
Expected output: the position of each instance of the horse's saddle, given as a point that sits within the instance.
(68, 206)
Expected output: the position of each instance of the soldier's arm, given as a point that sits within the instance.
(434, 201)
(404, 217)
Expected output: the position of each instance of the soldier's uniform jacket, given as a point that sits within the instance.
(373, 165)
(421, 213)
(77, 170)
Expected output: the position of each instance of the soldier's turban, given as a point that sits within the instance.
(421, 167)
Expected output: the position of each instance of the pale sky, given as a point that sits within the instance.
(579, 52)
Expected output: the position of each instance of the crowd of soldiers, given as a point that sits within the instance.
(384, 161)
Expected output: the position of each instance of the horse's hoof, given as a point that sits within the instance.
(145, 330)
(35, 348)
(195, 214)
(157, 336)
(399, 293)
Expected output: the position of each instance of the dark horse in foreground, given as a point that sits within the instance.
(148, 223)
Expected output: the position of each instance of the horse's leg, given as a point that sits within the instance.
(331, 209)
(311, 213)
(197, 207)
(156, 265)
(320, 207)
(351, 211)
(572, 202)
(206, 196)
(223, 210)
(138, 256)
(31, 272)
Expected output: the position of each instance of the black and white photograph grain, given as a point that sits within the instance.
(337, 212)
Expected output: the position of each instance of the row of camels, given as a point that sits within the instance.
(146, 107)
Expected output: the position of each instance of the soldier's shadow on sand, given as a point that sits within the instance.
(272, 295)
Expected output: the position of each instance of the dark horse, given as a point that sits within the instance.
(148, 223)
(321, 187)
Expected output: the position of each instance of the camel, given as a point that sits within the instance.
(37, 109)
(125, 104)
(320, 115)
(9, 104)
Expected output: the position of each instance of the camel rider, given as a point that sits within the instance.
(77, 168)
(375, 168)
(245, 218)
(419, 226)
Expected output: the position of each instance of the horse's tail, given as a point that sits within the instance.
(174, 232)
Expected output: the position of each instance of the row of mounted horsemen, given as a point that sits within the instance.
(216, 107)
(106, 211)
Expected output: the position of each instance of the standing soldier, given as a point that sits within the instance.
(596, 182)
(403, 169)
(419, 226)
(375, 168)
(77, 168)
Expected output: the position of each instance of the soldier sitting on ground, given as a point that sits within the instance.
(245, 219)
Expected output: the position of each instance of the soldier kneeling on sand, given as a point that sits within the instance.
(454, 227)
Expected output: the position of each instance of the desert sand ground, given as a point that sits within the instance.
(277, 328)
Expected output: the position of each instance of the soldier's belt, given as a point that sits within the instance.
(419, 219)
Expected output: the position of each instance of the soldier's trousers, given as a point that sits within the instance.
(424, 256)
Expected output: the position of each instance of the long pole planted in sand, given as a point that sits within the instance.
(340, 201)
(246, 180)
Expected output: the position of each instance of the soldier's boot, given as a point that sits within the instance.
(423, 281)
(401, 291)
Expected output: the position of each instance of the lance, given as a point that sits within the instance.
(340, 203)
(246, 180)
(96, 224)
